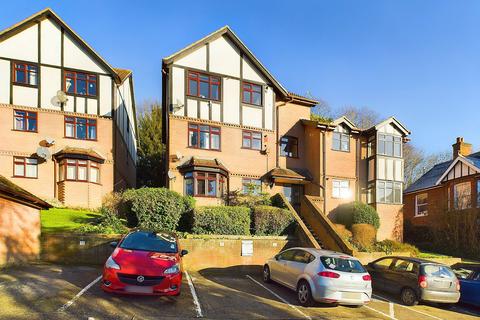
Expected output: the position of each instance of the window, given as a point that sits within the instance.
(25, 167)
(301, 256)
(76, 170)
(478, 193)
(25, 120)
(383, 264)
(251, 186)
(343, 264)
(204, 184)
(462, 193)
(81, 83)
(389, 145)
(81, 128)
(203, 137)
(405, 266)
(389, 192)
(252, 93)
(94, 172)
(252, 140)
(341, 139)
(286, 255)
(203, 86)
(341, 189)
(25, 74)
(421, 204)
(289, 147)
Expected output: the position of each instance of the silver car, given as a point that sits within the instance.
(320, 275)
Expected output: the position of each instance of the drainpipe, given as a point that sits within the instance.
(324, 169)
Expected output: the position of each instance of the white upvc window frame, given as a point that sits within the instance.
(417, 205)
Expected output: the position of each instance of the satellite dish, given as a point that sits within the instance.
(50, 141)
(170, 174)
(61, 96)
(177, 106)
(178, 155)
(43, 153)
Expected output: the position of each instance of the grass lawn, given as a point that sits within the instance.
(63, 219)
(431, 255)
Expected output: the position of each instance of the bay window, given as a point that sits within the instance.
(204, 184)
(389, 145)
(203, 137)
(79, 170)
(389, 192)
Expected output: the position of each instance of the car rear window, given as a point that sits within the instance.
(435, 270)
(150, 241)
(342, 264)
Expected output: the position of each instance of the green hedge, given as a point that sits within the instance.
(357, 212)
(157, 209)
(271, 221)
(221, 220)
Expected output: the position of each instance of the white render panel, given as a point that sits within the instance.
(22, 46)
(465, 170)
(69, 105)
(51, 43)
(231, 101)
(92, 106)
(381, 169)
(389, 168)
(178, 90)
(250, 72)
(252, 117)
(197, 59)
(192, 106)
(25, 96)
(81, 104)
(105, 95)
(451, 175)
(268, 105)
(51, 83)
(224, 57)
(216, 110)
(76, 57)
(389, 129)
(458, 169)
(4, 81)
(204, 110)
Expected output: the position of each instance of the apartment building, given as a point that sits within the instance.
(229, 125)
(452, 185)
(67, 118)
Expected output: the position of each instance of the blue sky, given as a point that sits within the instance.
(417, 60)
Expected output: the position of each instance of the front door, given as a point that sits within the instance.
(294, 194)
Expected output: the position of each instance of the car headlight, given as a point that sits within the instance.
(173, 269)
(111, 264)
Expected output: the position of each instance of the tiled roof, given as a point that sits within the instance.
(429, 179)
(303, 98)
(123, 73)
(288, 173)
(80, 151)
(10, 189)
(204, 162)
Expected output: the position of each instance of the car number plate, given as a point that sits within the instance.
(351, 295)
(138, 289)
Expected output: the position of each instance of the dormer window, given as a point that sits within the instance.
(341, 139)
(25, 74)
(203, 86)
(81, 84)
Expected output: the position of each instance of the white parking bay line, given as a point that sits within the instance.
(380, 312)
(280, 298)
(414, 310)
(196, 302)
(69, 303)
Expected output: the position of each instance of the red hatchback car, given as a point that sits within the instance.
(144, 263)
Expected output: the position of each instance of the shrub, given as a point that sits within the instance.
(237, 198)
(221, 220)
(278, 202)
(113, 202)
(343, 231)
(273, 221)
(389, 246)
(363, 235)
(156, 209)
(357, 212)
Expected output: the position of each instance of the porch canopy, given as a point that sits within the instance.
(284, 175)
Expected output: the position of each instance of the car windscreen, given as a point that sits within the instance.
(436, 270)
(342, 264)
(150, 241)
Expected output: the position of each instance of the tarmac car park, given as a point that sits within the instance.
(45, 291)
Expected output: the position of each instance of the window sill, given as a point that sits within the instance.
(81, 95)
(420, 215)
(245, 148)
(341, 150)
(217, 150)
(23, 177)
(94, 140)
(34, 86)
(203, 99)
(251, 105)
(28, 131)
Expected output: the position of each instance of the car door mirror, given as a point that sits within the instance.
(183, 252)
(371, 265)
(277, 257)
(113, 244)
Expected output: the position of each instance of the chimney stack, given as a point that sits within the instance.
(461, 148)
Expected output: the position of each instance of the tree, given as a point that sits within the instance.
(150, 146)
(363, 117)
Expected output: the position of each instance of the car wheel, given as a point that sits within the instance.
(266, 274)
(304, 294)
(409, 297)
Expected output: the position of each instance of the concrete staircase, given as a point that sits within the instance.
(319, 231)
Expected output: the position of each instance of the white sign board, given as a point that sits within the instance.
(247, 248)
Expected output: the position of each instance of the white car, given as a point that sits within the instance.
(320, 275)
